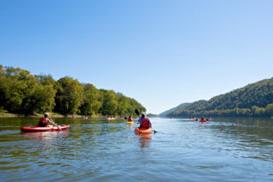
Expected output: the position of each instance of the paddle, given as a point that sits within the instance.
(55, 124)
(137, 112)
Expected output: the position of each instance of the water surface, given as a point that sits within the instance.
(181, 150)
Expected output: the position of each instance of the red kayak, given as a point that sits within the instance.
(40, 129)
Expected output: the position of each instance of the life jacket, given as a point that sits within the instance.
(43, 122)
(145, 124)
(202, 120)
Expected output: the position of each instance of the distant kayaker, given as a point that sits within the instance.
(203, 120)
(144, 122)
(129, 119)
(46, 122)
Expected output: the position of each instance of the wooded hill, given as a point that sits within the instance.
(24, 93)
(252, 100)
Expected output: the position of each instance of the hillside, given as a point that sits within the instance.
(175, 109)
(252, 100)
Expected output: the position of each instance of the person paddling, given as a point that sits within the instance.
(46, 122)
(130, 119)
(144, 122)
(203, 120)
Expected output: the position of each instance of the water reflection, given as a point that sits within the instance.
(45, 136)
(144, 140)
(131, 125)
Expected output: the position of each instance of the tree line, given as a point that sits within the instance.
(253, 100)
(24, 93)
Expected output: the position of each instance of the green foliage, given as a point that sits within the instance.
(109, 103)
(69, 95)
(92, 100)
(253, 100)
(41, 100)
(269, 109)
(24, 93)
(21, 92)
(19, 89)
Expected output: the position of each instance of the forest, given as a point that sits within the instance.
(253, 100)
(24, 93)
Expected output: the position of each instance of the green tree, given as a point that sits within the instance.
(269, 109)
(69, 96)
(109, 104)
(42, 99)
(45, 80)
(92, 100)
(24, 93)
(123, 105)
(20, 84)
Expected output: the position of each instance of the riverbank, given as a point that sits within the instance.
(5, 114)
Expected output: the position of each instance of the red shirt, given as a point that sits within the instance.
(43, 122)
(145, 124)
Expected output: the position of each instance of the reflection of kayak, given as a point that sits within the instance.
(141, 131)
(40, 129)
(45, 135)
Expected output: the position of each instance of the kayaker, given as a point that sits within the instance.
(203, 120)
(144, 122)
(46, 122)
(129, 119)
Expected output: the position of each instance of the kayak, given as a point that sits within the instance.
(130, 122)
(41, 129)
(141, 131)
(202, 121)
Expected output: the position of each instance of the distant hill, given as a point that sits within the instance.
(175, 109)
(252, 100)
(151, 115)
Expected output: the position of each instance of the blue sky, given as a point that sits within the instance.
(161, 52)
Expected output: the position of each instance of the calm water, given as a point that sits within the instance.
(182, 150)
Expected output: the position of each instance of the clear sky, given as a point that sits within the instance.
(160, 52)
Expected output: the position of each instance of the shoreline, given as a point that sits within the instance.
(4, 114)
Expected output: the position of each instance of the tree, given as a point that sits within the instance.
(41, 100)
(92, 100)
(123, 105)
(24, 93)
(20, 84)
(69, 95)
(109, 104)
(269, 109)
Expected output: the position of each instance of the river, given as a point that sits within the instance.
(181, 150)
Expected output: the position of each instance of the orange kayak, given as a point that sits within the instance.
(141, 131)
